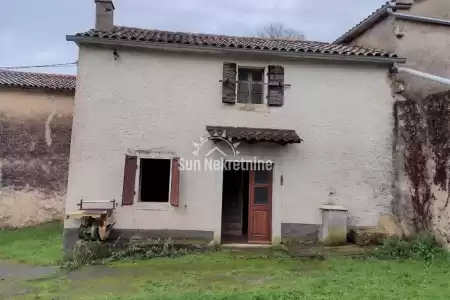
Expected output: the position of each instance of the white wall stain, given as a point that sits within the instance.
(1, 173)
(48, 131)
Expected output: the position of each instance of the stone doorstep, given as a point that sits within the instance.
(245, 246)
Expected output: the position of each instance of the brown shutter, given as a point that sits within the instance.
(175, 183)
(129, 179)
(275, 93)
(229, 83)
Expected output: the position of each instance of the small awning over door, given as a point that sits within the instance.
(281, 136)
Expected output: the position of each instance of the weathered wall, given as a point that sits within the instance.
(425, 46)
(162, 102)
(424, 148)
(380, 36)
(421, 146)
(35, 130)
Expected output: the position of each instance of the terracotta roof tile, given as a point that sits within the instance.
(37, 80)
(256, 134)
(222, 41)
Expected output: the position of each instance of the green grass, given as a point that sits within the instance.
(222, 275)
(40, 245)
(227, 276)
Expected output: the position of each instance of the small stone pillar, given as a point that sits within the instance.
(334, 225)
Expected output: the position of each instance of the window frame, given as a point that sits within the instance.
(251, 82)
(137, 184)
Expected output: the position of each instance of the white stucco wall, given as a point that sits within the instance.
(162, 102)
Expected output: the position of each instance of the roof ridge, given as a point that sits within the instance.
(221, 35)
(385, 5)
(37, 73)
(122, 34)
(34, 80)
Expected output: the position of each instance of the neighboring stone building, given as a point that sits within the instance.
(35, 129)
(417, 30)
(150, 104)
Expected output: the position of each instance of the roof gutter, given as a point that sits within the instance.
(418, 18)
(443, 80)
(166, 47)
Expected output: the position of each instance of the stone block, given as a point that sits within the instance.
(391, 225)
(367, 236)
(334, 225)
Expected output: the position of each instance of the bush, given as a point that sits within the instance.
(421, 247)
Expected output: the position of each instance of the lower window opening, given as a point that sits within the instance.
(154, 180)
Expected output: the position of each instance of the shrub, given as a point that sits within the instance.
(420, 247)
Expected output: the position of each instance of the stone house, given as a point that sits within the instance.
(35, 129)
(420, 32)
(417, 30)
(227, 138)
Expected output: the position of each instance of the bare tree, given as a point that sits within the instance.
(280, 31)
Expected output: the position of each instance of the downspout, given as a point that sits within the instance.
(418, 18)
(443, 80)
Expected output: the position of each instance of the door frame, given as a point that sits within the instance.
(251, 206)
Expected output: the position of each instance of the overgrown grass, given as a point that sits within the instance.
(420, 272)
(421, 247)
(219, 275)
(40, 245)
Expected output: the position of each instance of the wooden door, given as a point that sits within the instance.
(260, 207)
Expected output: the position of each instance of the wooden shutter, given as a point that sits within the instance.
(229, 83)
(175, 183)
(275, 93)
(129, 179)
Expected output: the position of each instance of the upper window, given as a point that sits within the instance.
(250, 86)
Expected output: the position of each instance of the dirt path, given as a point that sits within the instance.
(12, 276)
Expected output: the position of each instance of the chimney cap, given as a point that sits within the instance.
(106, 1)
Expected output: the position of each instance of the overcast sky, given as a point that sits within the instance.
(32, 32)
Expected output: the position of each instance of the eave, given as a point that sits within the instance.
(170, 47)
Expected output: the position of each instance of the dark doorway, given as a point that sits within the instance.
(247, 203)
(235, 206)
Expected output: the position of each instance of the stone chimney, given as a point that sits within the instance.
(104, 15)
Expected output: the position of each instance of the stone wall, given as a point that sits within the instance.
(35, 132)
